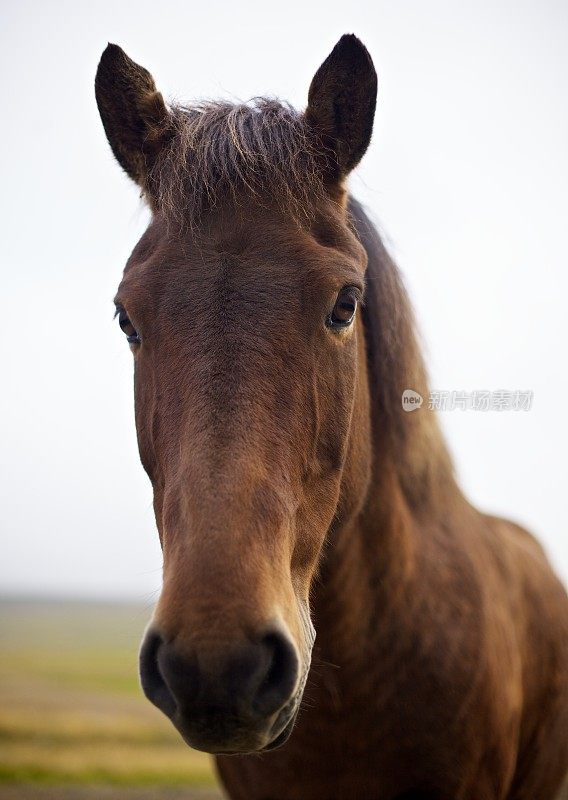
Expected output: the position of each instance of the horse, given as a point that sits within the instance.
(273, 340)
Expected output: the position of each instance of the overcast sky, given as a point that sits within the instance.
(467, 174)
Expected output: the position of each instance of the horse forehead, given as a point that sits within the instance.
(255, 270)
(268, 263)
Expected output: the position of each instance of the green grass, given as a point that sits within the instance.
(71, 710)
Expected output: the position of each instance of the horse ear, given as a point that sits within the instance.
(341, 105)
(135, 118)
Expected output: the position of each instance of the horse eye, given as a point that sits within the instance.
(344, 309)
(127, 327)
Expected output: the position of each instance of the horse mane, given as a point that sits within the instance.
(412, 441)
(218, 150)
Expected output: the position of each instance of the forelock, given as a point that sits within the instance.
(220, 152)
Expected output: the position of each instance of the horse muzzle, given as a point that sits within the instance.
(241, 699)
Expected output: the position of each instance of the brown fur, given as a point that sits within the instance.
(286, 473)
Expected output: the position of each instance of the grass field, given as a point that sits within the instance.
(74, 724)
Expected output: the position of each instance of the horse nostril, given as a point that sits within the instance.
(153, 683)
(281, 675)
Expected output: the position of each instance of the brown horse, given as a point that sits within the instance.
(272, 342)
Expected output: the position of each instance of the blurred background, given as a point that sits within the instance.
(467, 177)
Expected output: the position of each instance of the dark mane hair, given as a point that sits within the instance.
(414, 441)
(219, 151)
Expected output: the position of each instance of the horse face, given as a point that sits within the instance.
(249, 358)
(245, 378)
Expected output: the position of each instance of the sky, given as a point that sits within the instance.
(467, 177)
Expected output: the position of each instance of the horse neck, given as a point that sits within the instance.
(368, 567)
